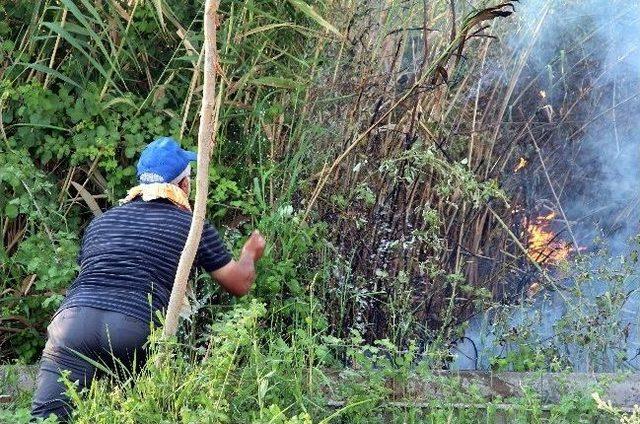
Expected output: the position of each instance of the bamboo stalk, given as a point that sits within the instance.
(206, 141)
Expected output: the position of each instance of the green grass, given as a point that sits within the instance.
(244, 373)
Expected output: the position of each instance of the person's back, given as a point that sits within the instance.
(128, 261)
(130, 254)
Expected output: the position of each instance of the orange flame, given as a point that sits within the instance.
(543, 246)
(548, 217)
(521, 164)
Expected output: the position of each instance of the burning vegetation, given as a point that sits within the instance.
(543, 244)
(522, 162)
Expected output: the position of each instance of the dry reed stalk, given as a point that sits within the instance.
(192, 87)
(63, 21)
(522, 61)
(206, 141)
(436, 114)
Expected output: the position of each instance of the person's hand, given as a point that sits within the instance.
(254, 246)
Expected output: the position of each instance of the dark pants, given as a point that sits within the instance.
(108, 338)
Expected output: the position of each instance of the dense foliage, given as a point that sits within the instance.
(241, 376)
(75, 131)
(85, 86)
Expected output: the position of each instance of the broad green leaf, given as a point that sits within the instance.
(130, 151)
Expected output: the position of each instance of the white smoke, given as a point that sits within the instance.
(586, 57)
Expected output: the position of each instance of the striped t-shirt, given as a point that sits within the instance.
(130, 254)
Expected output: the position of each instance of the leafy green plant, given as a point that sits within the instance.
(523, 359)
(205, 388)
(84, 87)
(632, 417)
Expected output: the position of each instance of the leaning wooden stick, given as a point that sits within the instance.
(206, 141)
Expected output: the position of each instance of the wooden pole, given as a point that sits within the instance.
(206, 141)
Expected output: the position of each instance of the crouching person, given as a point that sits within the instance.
(128, 261)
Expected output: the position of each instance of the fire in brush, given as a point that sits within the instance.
(544, 245)
(522, 162)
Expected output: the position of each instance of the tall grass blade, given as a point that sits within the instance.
(92, 34)
(158, 5)
(98, 365)
(315, 16)
(46, 70)
(77, 44)
(270, 27)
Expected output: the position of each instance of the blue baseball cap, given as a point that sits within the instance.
(162, 161)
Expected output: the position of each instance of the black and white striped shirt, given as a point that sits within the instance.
(130, 254)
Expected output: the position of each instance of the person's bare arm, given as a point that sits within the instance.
(237, 277)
